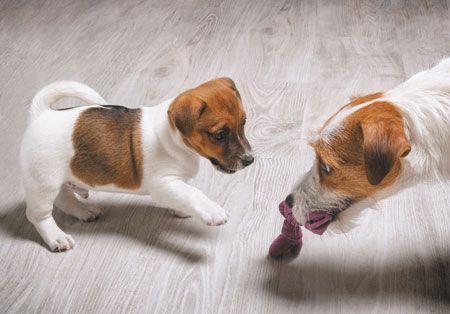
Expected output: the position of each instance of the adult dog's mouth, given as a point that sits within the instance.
(220, 167)
(317, 221)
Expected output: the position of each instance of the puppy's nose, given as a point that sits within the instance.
(247, 160)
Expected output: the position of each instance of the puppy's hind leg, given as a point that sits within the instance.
(79, 191)
(40, 198)
(67, 202)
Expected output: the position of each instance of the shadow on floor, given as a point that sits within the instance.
(325, 281)
(156, 227)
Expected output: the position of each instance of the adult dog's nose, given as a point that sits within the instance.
(290, 200)
(247, 160)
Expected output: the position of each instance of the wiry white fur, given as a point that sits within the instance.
(424, 102)
(47, 150)
(335, 125)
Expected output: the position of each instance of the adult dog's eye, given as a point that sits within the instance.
(325, 168)
(220, 136)
(245, 120)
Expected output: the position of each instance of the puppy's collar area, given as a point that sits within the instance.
(178, 140)
(174, 133)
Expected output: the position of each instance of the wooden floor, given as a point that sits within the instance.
(294, 62)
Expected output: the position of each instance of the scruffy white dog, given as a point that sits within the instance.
(377, 145)
(150, 150)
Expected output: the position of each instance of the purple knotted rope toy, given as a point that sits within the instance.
(290, 239)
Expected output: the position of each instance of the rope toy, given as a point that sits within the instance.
(290, 239)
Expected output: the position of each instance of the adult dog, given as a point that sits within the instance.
(377, 145)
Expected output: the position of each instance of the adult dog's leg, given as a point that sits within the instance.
(83, 193)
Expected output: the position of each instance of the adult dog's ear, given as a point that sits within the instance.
(185, 111)
(384, 143)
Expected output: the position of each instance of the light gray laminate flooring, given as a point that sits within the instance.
(295, 63)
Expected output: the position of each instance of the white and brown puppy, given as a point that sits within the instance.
(376, 145)
(150, 150)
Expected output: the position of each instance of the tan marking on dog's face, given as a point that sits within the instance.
(107, 144)
(358, 100)
(364, 155)
(211, 120)
(354, 101)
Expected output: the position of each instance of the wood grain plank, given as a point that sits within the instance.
(295, 63)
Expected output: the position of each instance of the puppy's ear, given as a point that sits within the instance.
(230, 83)
(227, 81)
(384, 143)
(185, 111)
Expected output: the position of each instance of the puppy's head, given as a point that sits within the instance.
(358, 154)
(211, 120)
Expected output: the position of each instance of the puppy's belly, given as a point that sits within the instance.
(105, 188)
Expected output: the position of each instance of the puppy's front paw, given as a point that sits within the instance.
(214, 216)
(60, 242)
(179, 214)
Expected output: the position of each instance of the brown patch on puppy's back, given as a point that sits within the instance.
(107, 144)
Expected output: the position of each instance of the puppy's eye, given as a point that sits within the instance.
(325, 168)
(220, 136)
(245, 120)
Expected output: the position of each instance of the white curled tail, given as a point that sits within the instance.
(53, 92)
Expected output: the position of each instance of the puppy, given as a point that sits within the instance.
(150, 150)
(377, 145)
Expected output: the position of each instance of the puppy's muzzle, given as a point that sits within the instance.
(247, 160)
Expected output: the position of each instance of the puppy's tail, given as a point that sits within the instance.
(53, 92)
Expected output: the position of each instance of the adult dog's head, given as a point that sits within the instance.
(211, 120)
(358, 153)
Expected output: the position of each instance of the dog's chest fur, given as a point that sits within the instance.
(108, 147)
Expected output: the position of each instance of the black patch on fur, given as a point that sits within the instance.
(378, 162)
